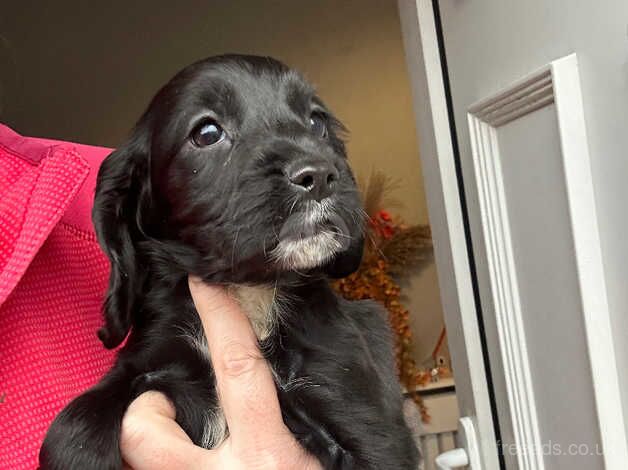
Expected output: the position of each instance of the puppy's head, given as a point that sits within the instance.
(236, 173)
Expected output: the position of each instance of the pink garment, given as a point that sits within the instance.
(53, 277)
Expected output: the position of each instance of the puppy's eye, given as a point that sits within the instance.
(318, 124)
(207, 133)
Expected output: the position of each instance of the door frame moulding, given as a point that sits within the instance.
(557, 83)
(445, 211)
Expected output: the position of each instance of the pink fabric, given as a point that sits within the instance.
(53, 277)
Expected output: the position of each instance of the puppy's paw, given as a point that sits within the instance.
(84, 436)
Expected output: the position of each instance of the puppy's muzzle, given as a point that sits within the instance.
(312, 237)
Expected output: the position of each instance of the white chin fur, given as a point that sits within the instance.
(306, 253)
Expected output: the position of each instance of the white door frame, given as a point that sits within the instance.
(454, 271)
(556, 84)
(446, 219)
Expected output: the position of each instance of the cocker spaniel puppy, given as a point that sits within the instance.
(237, 174)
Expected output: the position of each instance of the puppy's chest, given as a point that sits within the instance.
(261, 305)
(265, 307)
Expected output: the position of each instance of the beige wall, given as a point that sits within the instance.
(85, 74)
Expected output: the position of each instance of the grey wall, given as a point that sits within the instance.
(84, 71)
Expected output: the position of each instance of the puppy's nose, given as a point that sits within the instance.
(317, 179)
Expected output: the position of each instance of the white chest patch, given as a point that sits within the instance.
(260, 303)
(262, 307)
(215, 429)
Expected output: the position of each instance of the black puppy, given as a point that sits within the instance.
(236, 173)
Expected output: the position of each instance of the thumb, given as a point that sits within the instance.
(151, 439)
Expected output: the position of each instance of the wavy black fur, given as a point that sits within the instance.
(166, 207)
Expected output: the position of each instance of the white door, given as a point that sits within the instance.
(503, 123)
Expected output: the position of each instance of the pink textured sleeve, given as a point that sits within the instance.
(52, 279)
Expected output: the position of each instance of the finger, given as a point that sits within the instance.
(151, 439)
(152, 402)
(243, 378)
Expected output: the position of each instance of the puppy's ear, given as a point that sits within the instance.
(347, 261)
(122, 194)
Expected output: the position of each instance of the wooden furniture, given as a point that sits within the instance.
(439, 435)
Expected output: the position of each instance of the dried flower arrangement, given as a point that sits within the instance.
(392, 250)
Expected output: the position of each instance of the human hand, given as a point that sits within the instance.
(258, 438)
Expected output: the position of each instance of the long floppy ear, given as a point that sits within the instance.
(347, 261)
(122, 193)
